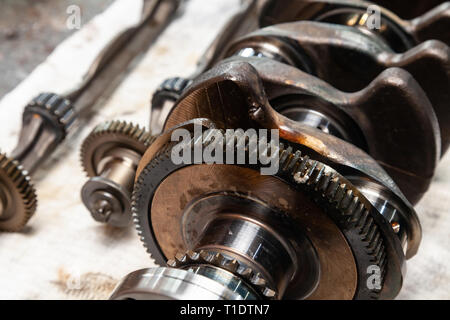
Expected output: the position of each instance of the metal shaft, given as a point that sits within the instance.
(43, 131)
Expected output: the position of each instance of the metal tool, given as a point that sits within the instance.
(336, 220)
(48, 118)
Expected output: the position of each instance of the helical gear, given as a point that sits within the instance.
(115, 131)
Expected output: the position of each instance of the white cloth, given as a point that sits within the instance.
(64, 253)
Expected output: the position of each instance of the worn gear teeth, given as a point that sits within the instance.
(331, 187)
(24, 187)
(115, 127)
(217, 259)
(55, 106)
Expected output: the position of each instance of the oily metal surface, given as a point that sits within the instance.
(234, 89)
(338, 270)
(412, 10)
(391, 108)
(349, 60)
(430, 25)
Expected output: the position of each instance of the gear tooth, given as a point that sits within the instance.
(332, 188)
(179, 258)
(193, 256)
(378, 251)
(373, 229)
(324, 181)
(346, 200)
(231, 265)
(218, 258)
(363, 217)
(310, 169)
(374, 242)
(383, 261)
(172, 263)
(292, 166)
(303, 164)
(203, 256)
(245, 272)
(365, 229)
(269, 293)
(317, 174)
(258, 280)
(339, 195)
(352, 208)
(284, 158)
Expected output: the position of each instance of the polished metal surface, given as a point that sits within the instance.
(110, 155)
(169, 283)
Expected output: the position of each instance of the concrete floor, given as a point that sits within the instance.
(31, 29)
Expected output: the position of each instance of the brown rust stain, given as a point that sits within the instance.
(89, 285)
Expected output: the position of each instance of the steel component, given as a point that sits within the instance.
(17, 195)
(110, 155)
(179, 284)
(361, 139)
(196, 261)
(48, 118)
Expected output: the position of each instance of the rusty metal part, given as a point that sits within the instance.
(17, 195)
(110, 155)
(50, 117)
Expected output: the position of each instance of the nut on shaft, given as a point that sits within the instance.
(110, 155)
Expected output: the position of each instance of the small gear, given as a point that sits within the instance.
(55, 108)
(18, 199)
(202, 257)
(112, 134)
(110, 155)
